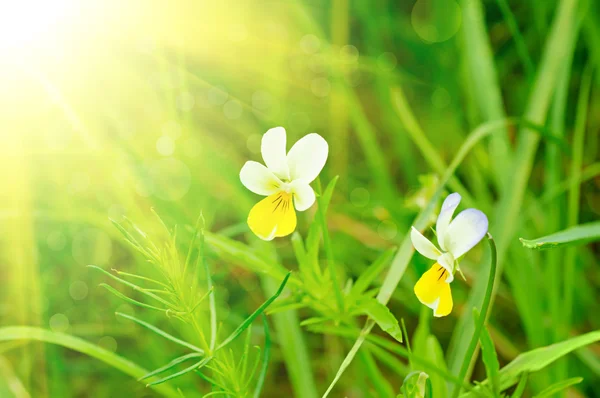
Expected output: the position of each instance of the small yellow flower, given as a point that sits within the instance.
(455, 238)
(285, 178)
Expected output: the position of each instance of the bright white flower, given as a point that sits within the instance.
(286, 176)
(455, 237)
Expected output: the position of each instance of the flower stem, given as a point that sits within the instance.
(329, 252)
(469, 355)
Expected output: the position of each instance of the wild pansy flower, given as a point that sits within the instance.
(286, 176)
(455, 237)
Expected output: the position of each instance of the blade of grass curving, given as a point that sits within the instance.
(389, 346)
(266, 357)
(321, 214)
(11, 333)
(490, 358)
(486, 90)
(130, 300)
(418, 136)
(520, 389)
(520, 44)
(197, 365)
(209, 284)
(558, 47)
(244, 360)
(161, 332)
(574, 194)
(470, 356)
(373, 154)
(141, 278)
(558, 387)
(314, 233)
(253, 316)
(171, 364)
(537, 359)
(382, 387)
(579, 234)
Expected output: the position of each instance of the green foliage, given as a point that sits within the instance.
(496, 100)
(571, 236)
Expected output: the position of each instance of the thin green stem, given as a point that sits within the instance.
(522, 51)
(329, 253)
(469, 355)
(574, 195)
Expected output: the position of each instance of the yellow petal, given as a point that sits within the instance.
(444, 305)
(273, 216)
(433, 291)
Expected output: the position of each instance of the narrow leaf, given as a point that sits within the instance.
(490, 358)
(368, 276)
(171, 364)
(256, 313)
(559, 386)
(195, 366)
(266, 357)
(572, 236)
(161, 332)
(130, 300)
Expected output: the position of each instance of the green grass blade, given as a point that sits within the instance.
(171, 364)
(558, 387)
(197, 365)
(539, 358)
(368, 276)
(405, 253)
(577, 235)
(321, 214)
(470, 355)
(490, 358)
(130, 300)
(133, 286)
(520, 389)
(255, 314)
(482, 72)
(557, 50)
(11, 333)
(161, 332)
(265, 362)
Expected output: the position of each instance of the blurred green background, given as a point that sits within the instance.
(112, 108)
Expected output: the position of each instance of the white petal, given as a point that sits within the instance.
(274, 152)
(259, 179)
(450, 204)
(446, 260)
(465, 231)
(304, 195)
(424, 245)
(307, 157)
